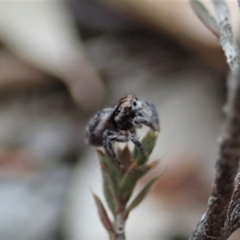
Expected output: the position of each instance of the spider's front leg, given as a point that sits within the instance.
(141, 120)
(147, 116)
(110, 136)
(155, 117)
(136, 142)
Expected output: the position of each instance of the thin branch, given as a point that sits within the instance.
(232, 222)
(216, 222)
(212, 223)
(227, 41)
(233, 218)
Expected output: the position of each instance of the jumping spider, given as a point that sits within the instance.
(119, 124)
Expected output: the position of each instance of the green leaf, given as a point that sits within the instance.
(111, 192)
(205, 16)
(112, 168)
(103, 215)
(130, 179)
(141, 195)
(148, 143)
(111, 176)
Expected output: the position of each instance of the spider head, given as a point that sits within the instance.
(127, 108)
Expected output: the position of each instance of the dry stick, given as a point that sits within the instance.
(212, 223)
(227, 41)
(233, 217)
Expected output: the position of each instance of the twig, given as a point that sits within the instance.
(227, 41)
(219, 221)
(233, 218)
(212, 223)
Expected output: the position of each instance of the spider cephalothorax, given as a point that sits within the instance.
(126, 111)
(119, 124)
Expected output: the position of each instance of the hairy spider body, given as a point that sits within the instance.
(100, 122)
(119, 124)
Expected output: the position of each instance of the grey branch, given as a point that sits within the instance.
(233, 218)
(227, 41)
(222, 215)
(213, 223)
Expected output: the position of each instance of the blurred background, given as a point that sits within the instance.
(60, 62)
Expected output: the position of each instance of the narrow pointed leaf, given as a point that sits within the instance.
(131, 177)
(111, 192)
(111, 167)
(205, 16)
(103, 215)
(148, 143)
(141, 195)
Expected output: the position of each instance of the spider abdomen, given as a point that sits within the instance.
(100, 122)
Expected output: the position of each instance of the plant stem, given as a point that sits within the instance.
(227, 40)
(213, 223)
(119, 226)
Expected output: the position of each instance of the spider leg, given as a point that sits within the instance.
(110, 136)
(142, 120)
(136, 142)
(155, 116)
(147, 116)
